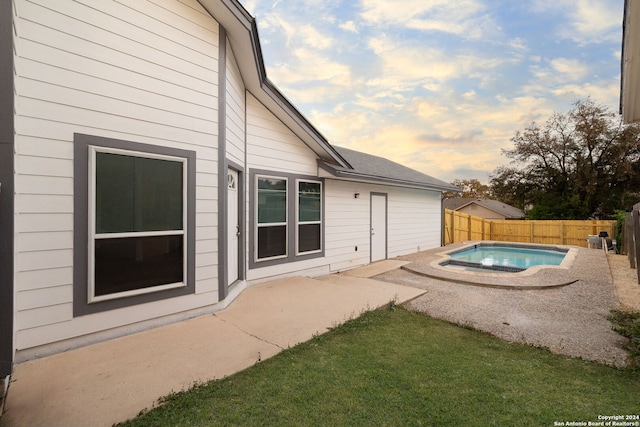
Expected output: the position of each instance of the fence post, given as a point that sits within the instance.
(531, 232)
(454, 228)
(636, 236)
(627, 236)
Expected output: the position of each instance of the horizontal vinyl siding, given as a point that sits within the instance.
(273, 146)
(414, 221)
(236, 110)
(141, 71)
(347, 224)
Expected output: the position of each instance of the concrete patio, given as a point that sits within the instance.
(112, 381)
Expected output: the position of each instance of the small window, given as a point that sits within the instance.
(272, 217)
(309, 216)
(137, 223)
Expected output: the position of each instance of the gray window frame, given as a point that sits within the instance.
(299, 223)
(81, 295)
(292, 220)
(258, 225)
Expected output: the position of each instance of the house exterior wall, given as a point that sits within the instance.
(413, 222)
(482, 212)
(149, 74)
(273, 149)
(273, 146)
(235, 111)
(121, 70)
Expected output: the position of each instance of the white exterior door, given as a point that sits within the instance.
(233, 226)
(378, 227)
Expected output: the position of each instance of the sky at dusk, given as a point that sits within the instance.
(439, 85)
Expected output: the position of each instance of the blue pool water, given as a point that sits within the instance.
(505, 258)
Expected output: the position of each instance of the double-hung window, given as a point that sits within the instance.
(137, 223)
(309, 227)
(272, 216)
(287, 216)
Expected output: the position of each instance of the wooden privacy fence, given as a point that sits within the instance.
(460, 227)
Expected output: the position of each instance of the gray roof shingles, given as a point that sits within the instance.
(494, 205)
(375, 168)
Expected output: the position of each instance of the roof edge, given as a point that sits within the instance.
(352, 174)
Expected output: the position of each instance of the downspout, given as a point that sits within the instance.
(223, 272)
(7, 189)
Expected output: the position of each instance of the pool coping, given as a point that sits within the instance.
(537, 277)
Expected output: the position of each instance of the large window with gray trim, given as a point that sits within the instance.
(137, 223)
(134, 223)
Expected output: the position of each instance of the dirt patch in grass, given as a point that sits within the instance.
(625, 280)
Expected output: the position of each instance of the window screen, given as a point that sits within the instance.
(309, 216)
(272, 217)
(139, 227)
(137, 194)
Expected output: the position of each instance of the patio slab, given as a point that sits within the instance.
(112, 381)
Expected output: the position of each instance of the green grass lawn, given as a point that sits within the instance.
(398, 368)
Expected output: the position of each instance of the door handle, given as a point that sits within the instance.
(238, 230)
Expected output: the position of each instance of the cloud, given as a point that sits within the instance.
(437, 85)
(349, 26)
(446, 136)
(559, 71)
(461, 17)
(594, 21)
(585, 21)
(604, 91)
(407, 65)
(277, 24)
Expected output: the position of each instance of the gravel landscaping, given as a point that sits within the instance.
(570, 320)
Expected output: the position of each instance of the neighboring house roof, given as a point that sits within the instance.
(374, 168)
(503, 209)
(630, 63)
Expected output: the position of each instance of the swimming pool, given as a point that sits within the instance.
(504, 257)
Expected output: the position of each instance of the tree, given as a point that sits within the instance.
(471, 188)
(577, 165)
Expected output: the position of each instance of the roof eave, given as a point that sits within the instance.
(350, 174)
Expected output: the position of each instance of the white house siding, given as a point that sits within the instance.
(141, 71)
(413, 221)
(347, 224)
(236, 110)
(273, 146)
